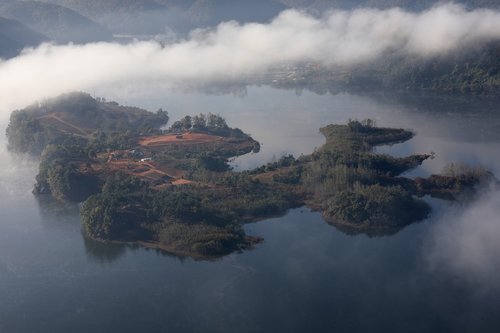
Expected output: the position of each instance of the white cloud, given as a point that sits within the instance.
(466, 242)
(232, 50)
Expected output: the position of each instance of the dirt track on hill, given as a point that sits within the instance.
(79, 130)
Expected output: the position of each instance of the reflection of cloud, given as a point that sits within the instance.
(12, 166)
(231, 50)
(447, 150)
(466, 243)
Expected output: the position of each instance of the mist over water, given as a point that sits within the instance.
(465, 242)
(16, 176)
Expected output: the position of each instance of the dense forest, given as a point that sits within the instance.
(472, 72)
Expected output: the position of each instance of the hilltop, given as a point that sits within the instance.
(322, 5)
(76, 118)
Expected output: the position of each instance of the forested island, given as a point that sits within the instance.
(173, 189)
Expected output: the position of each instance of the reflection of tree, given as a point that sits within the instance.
(108, 252)
(103, 252)
(51, 209)
(158, 252)
(371, 233)
(55, 211)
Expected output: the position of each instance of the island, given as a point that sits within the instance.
(173, 188)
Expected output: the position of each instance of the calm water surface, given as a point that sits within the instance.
(436, 276)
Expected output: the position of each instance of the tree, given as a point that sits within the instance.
(211, 120)
(186, 122)
(216, 121)
(200, 121)
(162, 116)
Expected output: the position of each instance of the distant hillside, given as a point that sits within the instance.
(177, 4)
(155, 16)
(476, 72)
(211, 12)
(15, 36)
(95, 8)
(58, 23)
(407, 4)
(158, 16)
(129, 16)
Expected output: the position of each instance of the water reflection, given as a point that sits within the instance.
(103, 252)
(371, 233)
(52, 209)
(108, 252)
(471, 119)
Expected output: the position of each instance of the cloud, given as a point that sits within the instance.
(465, 243)
(230, 51)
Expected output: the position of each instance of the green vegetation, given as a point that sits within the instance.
(202, 238)
(375, 206)
(27, 134)
(59, 174)
(200, 122)
(189, 219)
(356, 190)
(174, 190)
(475, 72)
(78, 119)
(456, 182)
(206, 123)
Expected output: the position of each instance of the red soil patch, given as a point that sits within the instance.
(160, 140)
(142, 170)
(181, 182)
(267, 177)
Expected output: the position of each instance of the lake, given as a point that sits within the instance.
(440, 275)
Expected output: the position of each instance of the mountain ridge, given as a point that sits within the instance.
(15, 36)
(59, 23)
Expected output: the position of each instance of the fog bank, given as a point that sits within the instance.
(465, 243)
(230, 51)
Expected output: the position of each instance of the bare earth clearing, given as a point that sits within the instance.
(149, 170)
(185, 138)
(143, 167)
